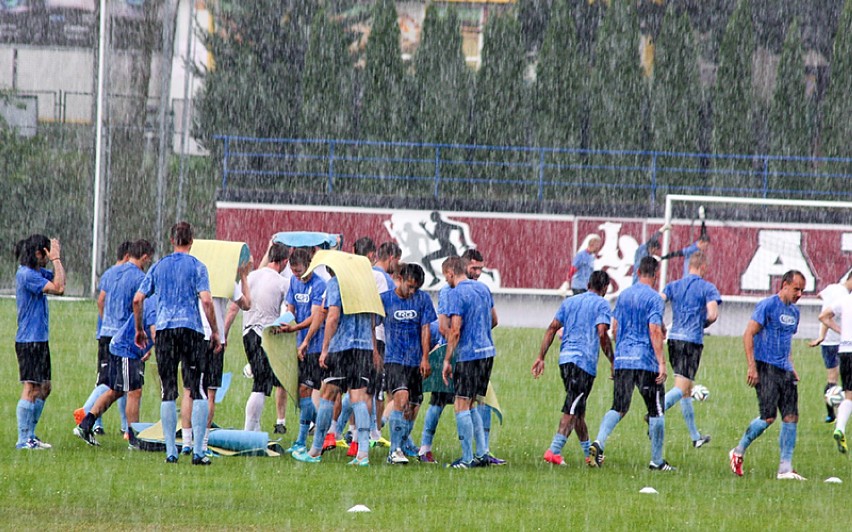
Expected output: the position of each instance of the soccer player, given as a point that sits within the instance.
(842, 309)
(122, 256)
(408, 313)
(701, 244)
(650, 248)
(350, 356)
(767, 341)
(583, 265)
(695, 305)
(637, 325)
(179, 280)
(215, 359)
(471, 311)
(117, 305)
(125, 361)
(304, 300)
(268, 291)
(32, 284)
(437, 400)
(586, 319)
(829, 340)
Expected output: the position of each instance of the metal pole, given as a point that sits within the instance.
(187, 81)
(96, 214)
(664, 266)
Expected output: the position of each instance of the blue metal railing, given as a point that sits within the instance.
(522, 172)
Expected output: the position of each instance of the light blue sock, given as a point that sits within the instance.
(38, 407)
(585, 445)
(689, 416)
(122, 412)
(326, 410)
(787, 441)
(408, 440)
(362, 423)
(430, 424)
(397, 430)
(558, 443)
(673, 397)
(374, 427)
(343, 418)
(306, 415)
(24, 413)
(99, 390)
(478, 433)
(485, 415)
(657, 428)
(610, 420)
(464, 425)
(200, 410)
(755, 429)
(168, 416)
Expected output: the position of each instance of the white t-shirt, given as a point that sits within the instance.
(268, 293)
(830, 296)
(843, 316)
(382, 286)
(220, 308)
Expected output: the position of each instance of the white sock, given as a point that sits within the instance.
(424, 449)
(254, 408)
(281, 421)
(843, 412)
(186, 433)
(375, 434)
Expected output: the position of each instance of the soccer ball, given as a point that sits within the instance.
(700, 392)
(247, 372)
(834, 396)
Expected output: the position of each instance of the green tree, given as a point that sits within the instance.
(734, 103)
(382, 115)
(534, 17)
(789, 120)
(837, 105)
(617, 102)
(442, 92)
(500, 109)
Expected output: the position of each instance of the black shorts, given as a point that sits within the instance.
(215, 366)
(651, 392)
(846, 371)
(264, 377)
(125, 374)
(442, 399)
(578, 384)
(310, 372)
(187, 347)
(33, 361)
(350, 369)
(376, 388)
(103, 360)
(399, 377)
(471, 378)
(777, 390)
(684, 358)
(830, 355)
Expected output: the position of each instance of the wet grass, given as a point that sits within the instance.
(75, 486)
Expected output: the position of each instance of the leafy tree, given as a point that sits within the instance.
(837, 105)
(534, 17)
(382, 116)
(499, 105)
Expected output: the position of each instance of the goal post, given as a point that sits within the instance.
(672, 199)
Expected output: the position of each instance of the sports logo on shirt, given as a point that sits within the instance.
(405, 315)
(787, 319)
(302, 298)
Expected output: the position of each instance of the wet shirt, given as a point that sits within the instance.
(120, 287)
(580, 316)
(843, 316)
(689, 297)
(830, 296)
(123, 343)
(638, 307)
(473, 302)
(584, 262)
(354, 331)
(268, 290)
(104, 284)
(177, 279)
(32, 304)
(404, 319)
(443, 298)
(779, 323)
(303, 296)
(435, 336)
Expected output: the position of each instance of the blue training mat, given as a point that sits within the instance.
(238, 440)
(298, 239)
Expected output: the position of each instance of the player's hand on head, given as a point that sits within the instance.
(55, 249)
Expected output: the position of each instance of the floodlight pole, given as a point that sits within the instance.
(99, 112)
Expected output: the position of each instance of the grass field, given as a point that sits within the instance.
(75, 486)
